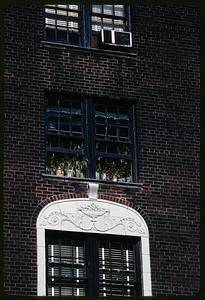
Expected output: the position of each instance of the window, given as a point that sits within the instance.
(87, 246)
(62, 23)
(89, 265)
(92, 139)
(81, 24)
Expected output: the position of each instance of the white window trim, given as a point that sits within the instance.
(93, 216)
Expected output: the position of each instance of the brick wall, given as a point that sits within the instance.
(163, 78)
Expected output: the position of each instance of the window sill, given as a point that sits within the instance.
(89, 50)
(87, 180)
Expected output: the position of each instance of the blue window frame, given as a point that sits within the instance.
(91, 138)
(81, 24)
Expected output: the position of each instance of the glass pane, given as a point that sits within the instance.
(123, 134)
(101, 147)
(50, 11)
(66, 291)
(50, 20)
(108, 9)
(64, 123)
(116, 269)
(73, 15)
(62, 6)
(107, 21)
(52, 122)
(50, 33)
(66, 268)
(61, 14)
(65, 142)
(76, 128)
(96, 23)
(119, 10)
(112, 148)
(74, 7)
(53, 291)
(52, 141)
(74, 37)
(112, 132)
(62, 34)
(100, 116)
(100, 130)
(61, 23)
(97, 8)
(73, 25)
(76, 144)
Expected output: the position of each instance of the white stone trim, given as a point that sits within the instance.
(93, 216)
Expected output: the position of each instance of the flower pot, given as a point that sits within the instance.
(59, 172)
(104, 176)
(69, 173)
(114, 178)
(97, 175)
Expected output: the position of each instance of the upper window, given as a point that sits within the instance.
(93, 139)
(83, 25)
(89, 265)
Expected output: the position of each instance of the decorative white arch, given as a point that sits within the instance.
(93, 216)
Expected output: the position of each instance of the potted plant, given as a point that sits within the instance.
(60, 169)
(75, 166)
(52, 165)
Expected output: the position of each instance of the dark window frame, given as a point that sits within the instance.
(85, 30)
(89, 131)
(92, 242)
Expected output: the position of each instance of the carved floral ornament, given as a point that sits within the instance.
(94, 217)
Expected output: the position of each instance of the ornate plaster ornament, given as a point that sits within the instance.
(94, 217)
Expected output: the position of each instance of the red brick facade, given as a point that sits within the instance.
(162, 76)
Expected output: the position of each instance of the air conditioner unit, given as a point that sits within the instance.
(116, 38)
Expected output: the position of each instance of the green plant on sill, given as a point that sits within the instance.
(64, 165)
(114, 169)
(77, 164)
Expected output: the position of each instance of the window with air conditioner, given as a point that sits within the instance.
(92, 265)
(94, 26)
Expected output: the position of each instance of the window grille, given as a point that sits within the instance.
(62, 23)
(90, 138)
(86, 264)
(66, 271)
(80, 25)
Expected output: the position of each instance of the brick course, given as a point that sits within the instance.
(163, 79)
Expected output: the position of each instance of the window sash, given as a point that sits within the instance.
(115, 147)
(89, 265)
(79, 24)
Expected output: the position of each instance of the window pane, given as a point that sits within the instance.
(52, 121)
(74, 7)
(123, 134)
(52, 141)
(116, 269)
(66, 268)
(64, 123)
(62, 34)
(50, 33)
(108, 9)
(63, 18)
(97, 8)
(119, 10)
(100, 130)
(74, 37)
